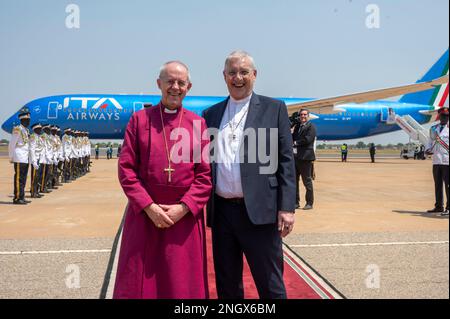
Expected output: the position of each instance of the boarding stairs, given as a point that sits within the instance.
(415, 131)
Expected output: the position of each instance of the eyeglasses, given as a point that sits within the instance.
(243, 73)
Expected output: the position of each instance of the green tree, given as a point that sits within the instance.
(361, 145)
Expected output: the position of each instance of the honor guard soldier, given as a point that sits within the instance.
(56, 142)
(76, 154)
(46, 171)
(19, 155)
(438, 147)
(60, 157)
(88, 151)
(37, 150)
(67, 150)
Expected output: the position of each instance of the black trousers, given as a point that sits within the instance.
(441, 177)
(36, 175)
(372, 157)
(234, 235)
(303, 169)
(20, 180)
(344, 156)
(45, 177)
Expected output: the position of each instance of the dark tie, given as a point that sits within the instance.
(442, 127)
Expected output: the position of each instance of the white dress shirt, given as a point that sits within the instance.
(228, 144)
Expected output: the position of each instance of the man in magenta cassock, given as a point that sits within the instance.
(163, 250)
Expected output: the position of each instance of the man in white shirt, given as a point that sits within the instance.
(252, 205)
(19, 155)
(438, 146)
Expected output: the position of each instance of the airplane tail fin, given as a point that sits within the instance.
(439, 95)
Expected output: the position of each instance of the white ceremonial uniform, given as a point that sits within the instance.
(440, 153)
(48, 148)
(19, 146)
(37, 148)
(67, 147)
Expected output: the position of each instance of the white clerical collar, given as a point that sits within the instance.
(243, 101)
(169, 111)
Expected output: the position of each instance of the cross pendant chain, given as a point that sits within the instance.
(169, 170)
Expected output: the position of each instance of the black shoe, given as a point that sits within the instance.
(445, 213)
(26, 201)
(297, 206)
(436, 210)
(19, 202)
(307, 207)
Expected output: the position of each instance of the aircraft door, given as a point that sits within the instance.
(387, 115)
(384, 114)
(53, 110)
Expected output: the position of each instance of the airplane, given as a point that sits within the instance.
(337, 118)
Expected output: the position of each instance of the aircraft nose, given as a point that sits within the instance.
(7, 126)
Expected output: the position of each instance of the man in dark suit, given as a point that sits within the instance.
(304, 136)
(252, 204)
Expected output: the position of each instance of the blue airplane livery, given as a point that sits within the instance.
(337, 118)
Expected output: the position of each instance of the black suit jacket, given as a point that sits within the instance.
(304, 137)
(264, 194)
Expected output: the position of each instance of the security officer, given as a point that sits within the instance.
(37, 146)
(19, 154)
(438, 146)
(344, 152)
(304, 136)
(372, 151)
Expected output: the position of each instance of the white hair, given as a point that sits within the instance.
(240, 54)
(162, 69)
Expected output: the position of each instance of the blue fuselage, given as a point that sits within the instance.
(106, 116)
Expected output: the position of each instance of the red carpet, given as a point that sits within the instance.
(300, 282)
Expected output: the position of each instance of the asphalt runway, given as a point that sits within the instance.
(368, 235)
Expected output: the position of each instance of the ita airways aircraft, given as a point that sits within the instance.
(337, 118)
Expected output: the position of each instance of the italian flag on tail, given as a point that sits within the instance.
(440, 95)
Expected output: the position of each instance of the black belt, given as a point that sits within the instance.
(236, 201)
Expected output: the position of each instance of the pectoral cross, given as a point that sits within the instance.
(232, 137)
(169, 170)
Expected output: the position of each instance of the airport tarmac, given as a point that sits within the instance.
(368, 235)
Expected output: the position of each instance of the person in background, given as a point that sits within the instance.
(372, 151)
(438, 147)
(304, 136)
(97, 151)
(344, 152)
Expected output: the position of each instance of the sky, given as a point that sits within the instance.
(302, 48)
